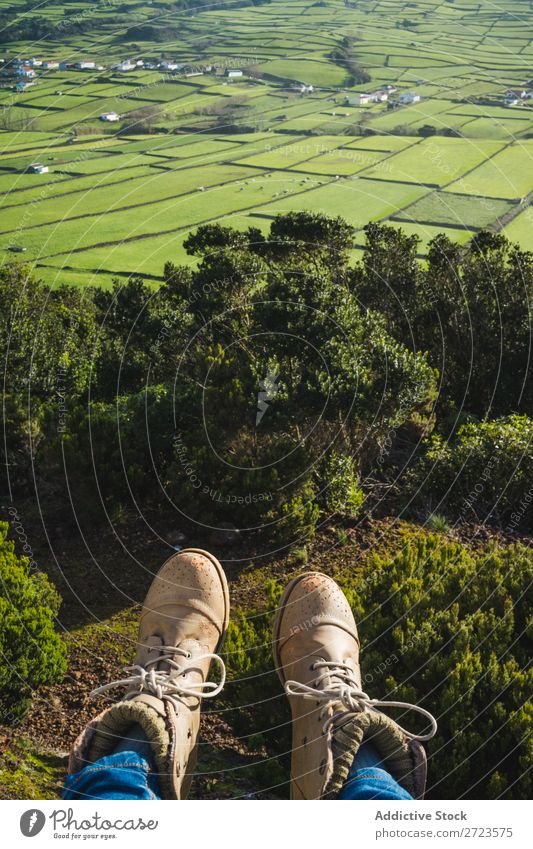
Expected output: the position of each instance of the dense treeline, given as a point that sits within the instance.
(346, 56)
(274, 383)
(38, 28)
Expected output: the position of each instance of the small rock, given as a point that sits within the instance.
(176, 539)
(226, 533)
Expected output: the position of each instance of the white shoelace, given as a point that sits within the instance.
(165, 684)
(346, 691)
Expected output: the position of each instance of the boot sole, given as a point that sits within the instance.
(276, 627)
(223, 581)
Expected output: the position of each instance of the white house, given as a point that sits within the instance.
(125, 66)
(408, 97)
(109, 116)
(36, 168)
(25, 71)
(302, 88)
(233, 74)
(381, 95)
(169, 65)
(85, 65)
(50, 65)
(35, 62)
(511, 101)
(359, 99)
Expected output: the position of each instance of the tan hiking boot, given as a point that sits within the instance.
(183, 624)
(316, 651)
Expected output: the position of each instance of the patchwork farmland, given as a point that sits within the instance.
(420, 114)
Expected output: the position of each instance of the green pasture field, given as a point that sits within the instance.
(344, 161)
(439, 161)
(521, 229)
(148, 188)
(173, 214)
(22, 138)
(63, 183)
(61, 160)
(123, 182)
(383, 142)
(288, 155)
(455, 210)
(509, 174)
(10, 183)
(358, 201)
(306, 71)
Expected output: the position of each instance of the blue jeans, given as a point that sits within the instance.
(128, 775)
(122, 775)
(368, 779)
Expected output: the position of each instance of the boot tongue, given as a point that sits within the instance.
(153, 643)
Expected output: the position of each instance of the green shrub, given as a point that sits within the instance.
(447, 629)
(343, 494)
(441, 627)
(31, 651)
(255, 703)
(486, 474)
(438, 523)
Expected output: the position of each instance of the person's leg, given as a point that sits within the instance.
(144, 746)
(316, 650)
(127, 773)
(369, 779)
(124, 775)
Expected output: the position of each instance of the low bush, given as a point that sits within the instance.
(484, 475)
(442, 627)
(31, 651)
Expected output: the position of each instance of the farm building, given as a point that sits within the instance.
(109, 116)
(85, 65)
(36, 168)
(408, 97)
(381, 95)
(22, 85)
(125, 66)
(233, 74)
(50, 65)
(25, 71)
(168, 65)
(358, 99)
(302, 88)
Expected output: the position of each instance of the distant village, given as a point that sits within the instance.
(23, 73)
